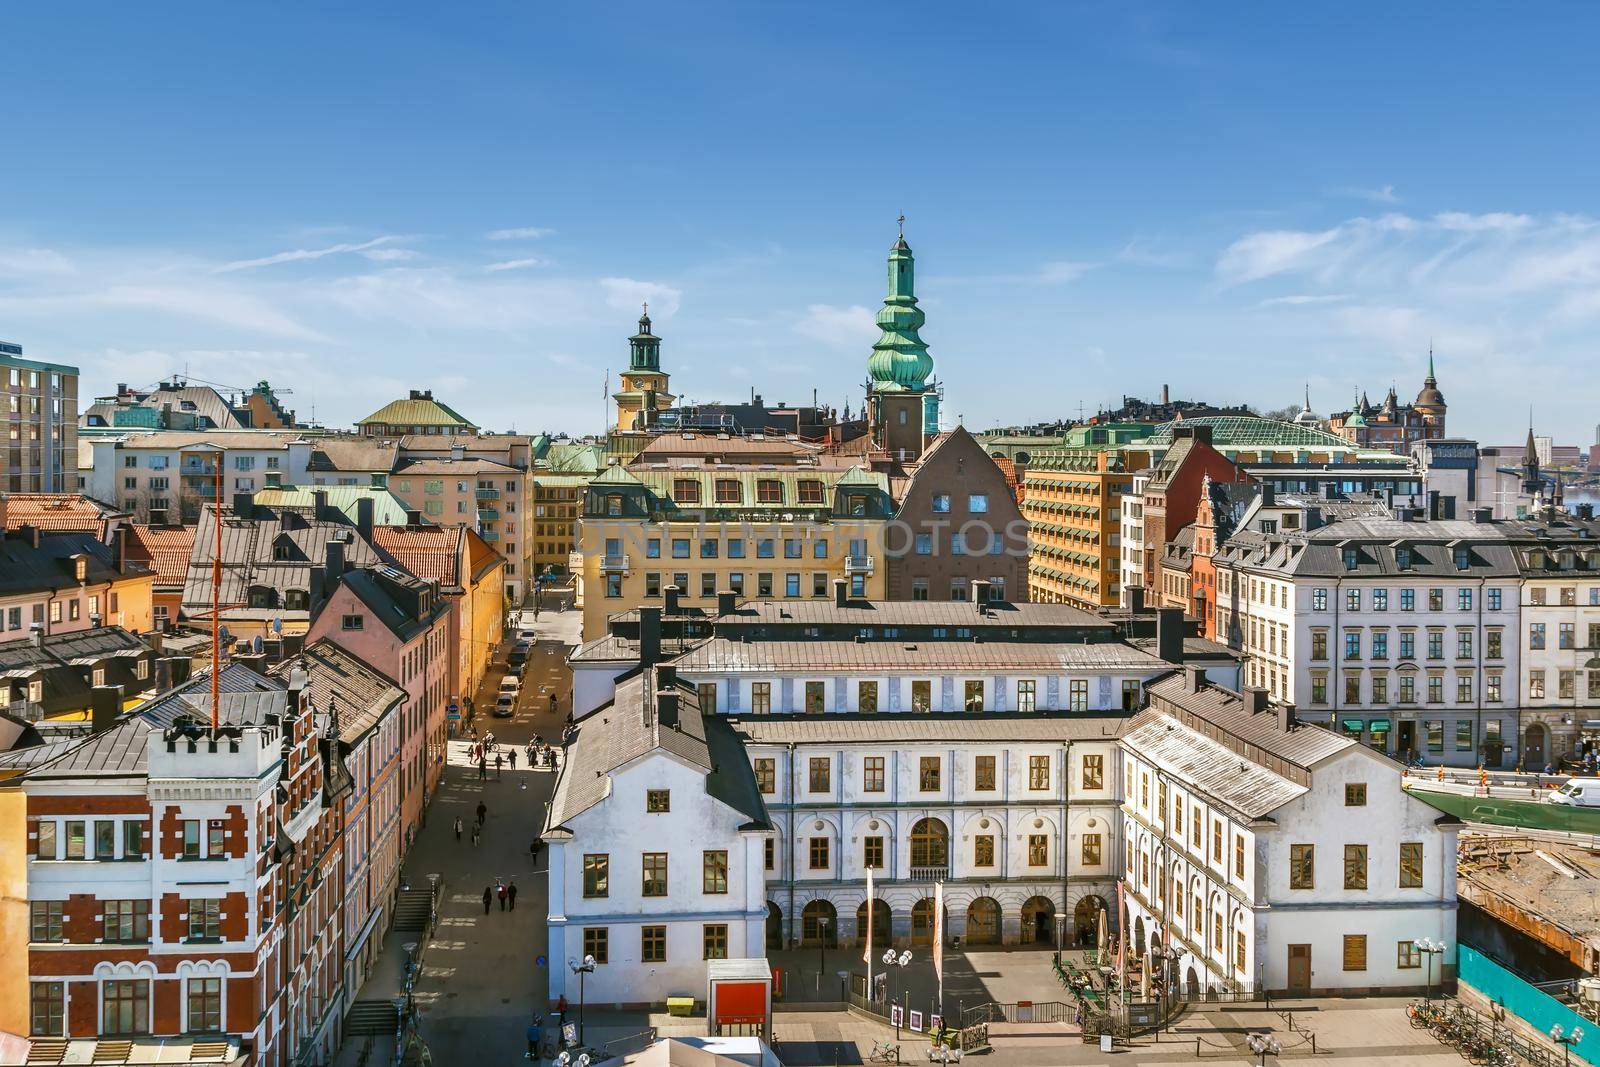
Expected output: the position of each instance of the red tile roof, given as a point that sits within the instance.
(54, 511)
(425, 551)
(165, 548)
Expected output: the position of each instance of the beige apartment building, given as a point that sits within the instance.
(761, 534)
(42, 412)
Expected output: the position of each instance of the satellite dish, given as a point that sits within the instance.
(583, 1060)
(563, 1058)
(277, 626)
(255, 644)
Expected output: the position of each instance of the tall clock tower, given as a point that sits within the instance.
(644, 384)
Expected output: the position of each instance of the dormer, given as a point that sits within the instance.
(1350, 554)
(1402, 555)
(262, 596)
(79, 563)
(1461, 555)
(284, 550)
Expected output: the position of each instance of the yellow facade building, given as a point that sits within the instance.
(1072, 499)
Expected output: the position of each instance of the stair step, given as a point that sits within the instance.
(375, 1017)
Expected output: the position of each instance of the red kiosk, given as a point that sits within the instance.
(739, 998)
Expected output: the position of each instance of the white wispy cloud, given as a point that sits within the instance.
(625, 294)
(1143, 253)
(29, 262)
(1268, 252)
(519, 233)
(1382, 195)
(1062, 271)
(300, 255)
(1302, 299)
(519, 264)
(837, 326)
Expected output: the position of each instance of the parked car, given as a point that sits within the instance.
(527, 636)
(518, 656)
(505, 706)
(1577, 793)
(510, 684)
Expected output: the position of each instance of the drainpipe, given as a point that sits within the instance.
(1066, 846)
(788, 916)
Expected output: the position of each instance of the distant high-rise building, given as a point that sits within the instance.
(42, 456)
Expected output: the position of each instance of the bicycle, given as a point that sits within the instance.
(884, 1052)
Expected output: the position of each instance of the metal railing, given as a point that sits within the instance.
(858, 564)
(487, 494)
(939, 873)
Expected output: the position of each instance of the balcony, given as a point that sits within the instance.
(487, 494)
(858, 564)
(931, 874)
(490, 535)
(488, 515)
(614, 564)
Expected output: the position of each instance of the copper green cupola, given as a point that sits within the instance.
(900, 362)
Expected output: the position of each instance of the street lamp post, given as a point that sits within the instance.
(1166, 958)
(581, 970)
(1566, 1040)
(822, 944)
(1429, 949)
(891, 962)
(1262, 1045)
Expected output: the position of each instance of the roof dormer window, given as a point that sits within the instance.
(1402, 557)
(1351, 558)
(1463, 558)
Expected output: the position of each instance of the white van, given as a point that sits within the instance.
(1578, 792)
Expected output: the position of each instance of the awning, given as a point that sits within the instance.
(1353, 724)
(1378, 724)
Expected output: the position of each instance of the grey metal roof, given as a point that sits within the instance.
(1225, 715)
(1004, 727)
(341, 681)
(118, 752)
(246, 698)
(721, 654)
(628, 728)
(248, 549)
(914, 613)
(614, 649)
(26, 569)
(1203, 765)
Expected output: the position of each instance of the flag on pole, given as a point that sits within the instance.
(867, 955)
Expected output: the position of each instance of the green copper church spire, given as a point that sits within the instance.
(900, 362)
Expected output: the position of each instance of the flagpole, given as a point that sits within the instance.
(938, 941)
(867, 956)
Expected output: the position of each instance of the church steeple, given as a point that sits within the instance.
(644, 347)
(900, 362)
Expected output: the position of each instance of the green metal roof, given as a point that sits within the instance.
(387, 509)
(416, 412)
(1243, 431)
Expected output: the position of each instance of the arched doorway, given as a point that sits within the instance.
(1191, 985)
(882, 927)
(983, 921)
(819, 924)
(930, 849)
(774, 925)
(1039, 920)
(922, 922)
(1086, 920)
(1138, 936)
(1533, 747)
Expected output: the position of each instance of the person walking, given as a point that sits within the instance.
(511, 895)
(477, 832)
(488, 899)
(552, 703)
(501, 892)
(498, 761)
(483, 768)
(458, 829)
(511, 757)
(483, 812)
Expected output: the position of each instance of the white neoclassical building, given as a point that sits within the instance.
(1275, 854)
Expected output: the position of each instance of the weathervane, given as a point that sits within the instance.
(902, 221)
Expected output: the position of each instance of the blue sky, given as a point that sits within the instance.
(355, 199)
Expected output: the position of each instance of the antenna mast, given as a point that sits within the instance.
(216, 589)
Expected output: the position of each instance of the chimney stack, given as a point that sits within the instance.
(980, 594)
(667, 708)
(364, 508)
(1194, 679)
(649, 636)
(1286, 718)
(841, 593)
(105, 707)
(1133, 596)
(669, 600)
(1169, 634)
(727, 602)
(1269, 495)
(244, 505)
(666, 676)
(1255, 699)
(335, 567)
(1166, 394)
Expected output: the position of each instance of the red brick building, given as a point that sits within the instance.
(184, 882)
(1172, 496)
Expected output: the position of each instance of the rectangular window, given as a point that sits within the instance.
(1038, 850)
(205, 920)
(872, 853)
(1355, 952)
(714, 871)
(596, 874)
(1302, 866)
(597, 943)
(1027, 694)
(766, 775)
(1038, 772)
(1536, 635)
(657, 800)
(1493, 596)
(124, 1007)
(76, 840)
(716, 941)
(1238, 856)
(46, 849)
(105, 839)
(125, 920)
(983, 850)
(736, 548)
(872, 774)
(653, 943)
(821, 774)
(132, 840)
(983, 772)
(1380, 600)
(1355, 866)
(654, 875)
(928, 774)
(761, 698)
(814, 698)
(1407, 956)
(1094, 772)
(1355, 794)
(44, 920)
(921, 696)
(974, 696)
(48, 1009)
(867, 697)
(1411, 865)
(1092, 853)
(817, 853)
(1077, 694)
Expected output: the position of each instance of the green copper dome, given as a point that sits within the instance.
(900, 362)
